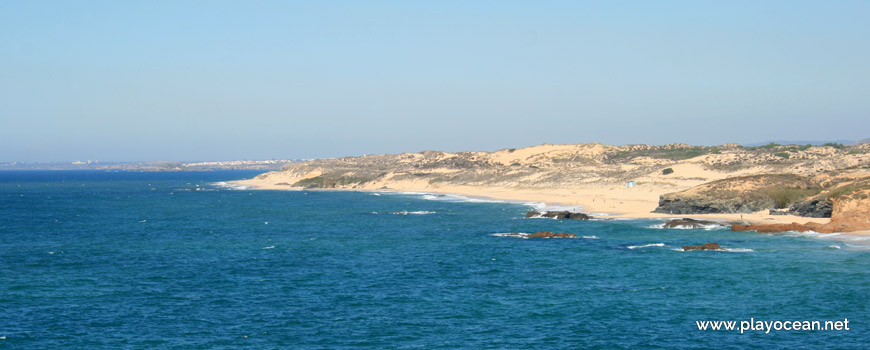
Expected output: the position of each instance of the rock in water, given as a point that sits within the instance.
(548, 234)
(773, 228)
(690, 223)
(559, 215)
(705, 246)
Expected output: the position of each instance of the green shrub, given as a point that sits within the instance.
(330, 182)
(667, 171)
(781, 154)
(785, 196)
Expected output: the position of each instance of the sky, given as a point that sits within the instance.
(220, 80)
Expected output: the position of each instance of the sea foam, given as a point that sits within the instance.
(419, 212)
(225, 185)
(646, 245)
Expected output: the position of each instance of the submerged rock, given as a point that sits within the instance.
(544, 234)
(705, 246)
(559, 215)
(773, 228)
(690, 223)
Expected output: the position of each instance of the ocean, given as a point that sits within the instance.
(126, 260)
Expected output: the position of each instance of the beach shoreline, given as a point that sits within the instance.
(610, 201)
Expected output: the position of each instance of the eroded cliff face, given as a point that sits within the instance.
(851, 211)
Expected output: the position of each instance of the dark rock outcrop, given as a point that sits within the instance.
(815, 208)
(690, 223)
(744, 194)
(705, 246)
(548, 234)
(559, 215)
(669, 204)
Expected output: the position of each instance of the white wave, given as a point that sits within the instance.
(646, 245)
(857, 246)
(730, 250)
(375, 194)
(688, 227)
(226, 185)
(738, 250)
(857, 241)
(412, 193)
(522, 235)
(571, 208)
(269, 247)
(448, 197)
(833, 246)
(590, 237)
(460, 198)
(536, 205)
(420, 212)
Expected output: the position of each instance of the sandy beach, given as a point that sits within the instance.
(613, 201)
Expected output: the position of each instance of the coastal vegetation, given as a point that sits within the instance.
(803, 180)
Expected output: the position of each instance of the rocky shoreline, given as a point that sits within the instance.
(846, 200)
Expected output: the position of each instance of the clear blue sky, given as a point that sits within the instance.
(208, 80)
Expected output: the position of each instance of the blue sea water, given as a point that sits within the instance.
(96, 260)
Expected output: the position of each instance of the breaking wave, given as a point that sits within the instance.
(646, 245)
(419, 212)
(229, 186)
(522, 235)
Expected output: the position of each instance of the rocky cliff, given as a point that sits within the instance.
(743, 194)
(851, 210)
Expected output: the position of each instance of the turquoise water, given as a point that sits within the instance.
(93, 260)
